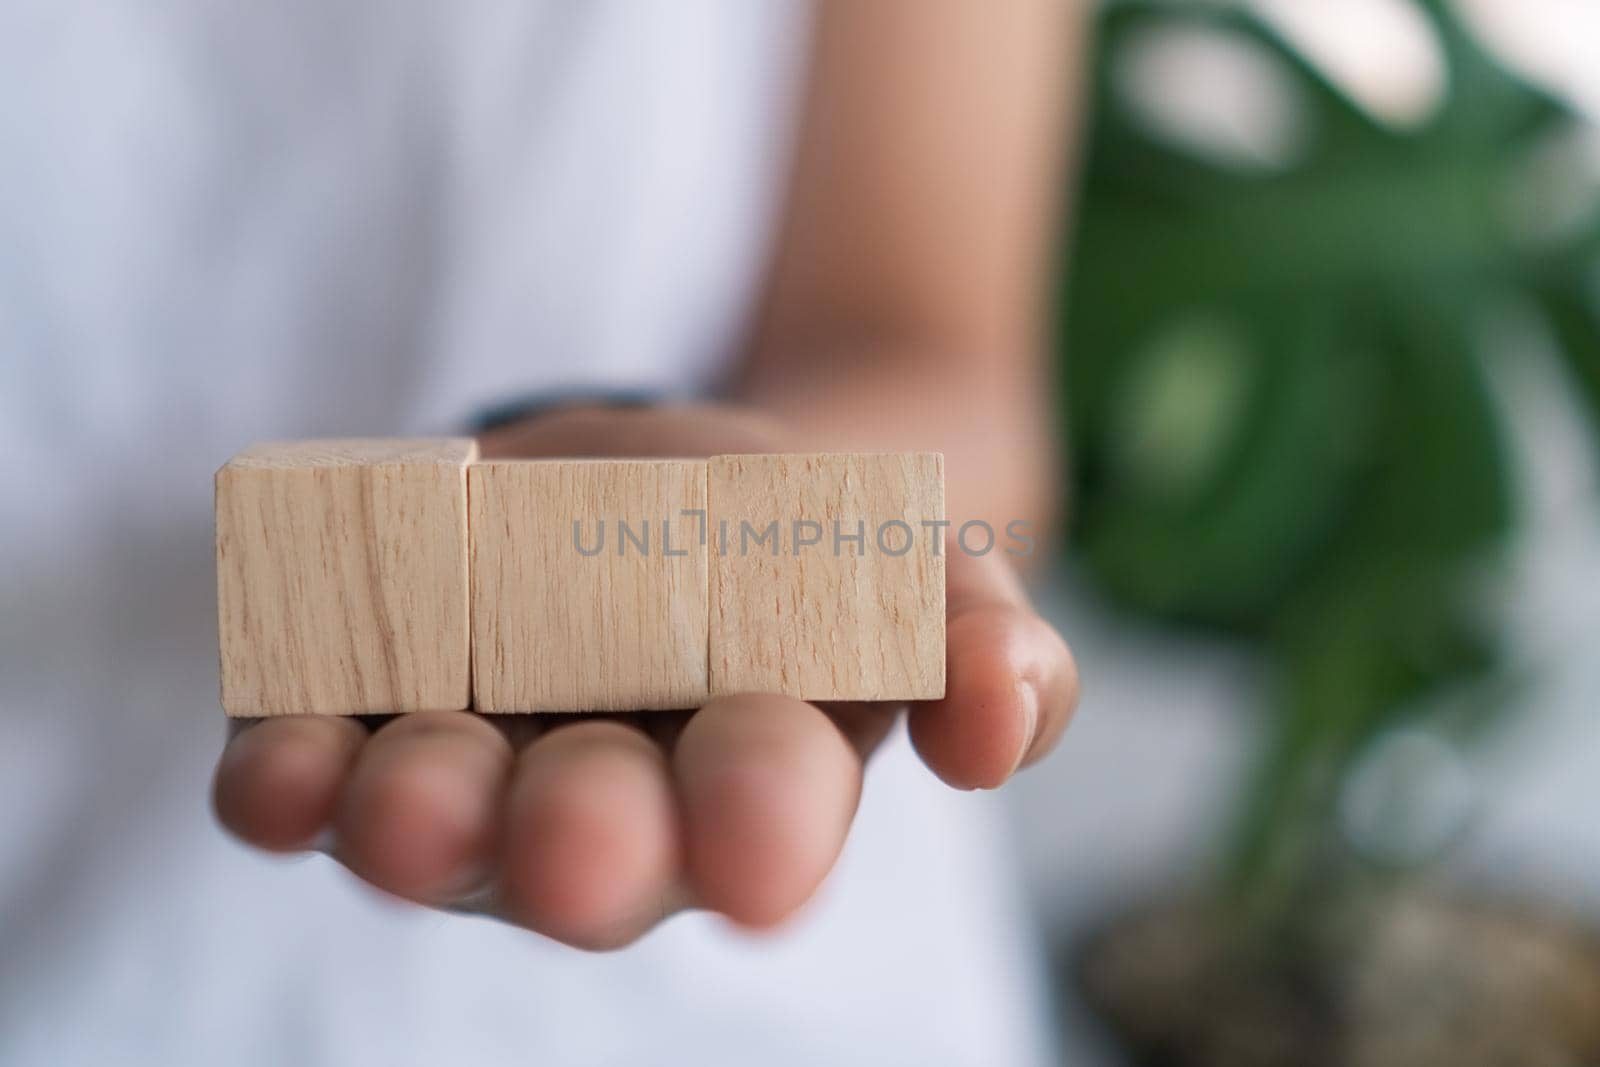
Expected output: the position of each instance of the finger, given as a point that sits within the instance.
(769, 785)
(864, 724)
(520, 729)
(419, 814)
(591, 850)
(278, 780)
(1011, 682)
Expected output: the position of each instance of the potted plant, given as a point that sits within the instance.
(1281, 425)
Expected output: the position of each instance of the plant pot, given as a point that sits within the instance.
(1427, 981)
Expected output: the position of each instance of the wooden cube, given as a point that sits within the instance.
(342, 577)
(826, 581)
(589, 585)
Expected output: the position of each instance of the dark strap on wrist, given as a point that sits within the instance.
(532, 405)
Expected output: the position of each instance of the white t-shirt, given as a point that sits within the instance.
(228, 222)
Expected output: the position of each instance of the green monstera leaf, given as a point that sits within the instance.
(1274, 382)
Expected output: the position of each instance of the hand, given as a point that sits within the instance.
(592, 829)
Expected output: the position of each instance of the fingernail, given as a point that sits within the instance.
(1030, 714)
(481, 896)
(323, 842)
(471, 884)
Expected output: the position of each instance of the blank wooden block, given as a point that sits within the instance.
(794, 617)
(556, 629)
(342, 577)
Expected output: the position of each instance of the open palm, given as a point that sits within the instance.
(593, 828)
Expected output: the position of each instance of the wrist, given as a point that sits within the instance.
(595, 429)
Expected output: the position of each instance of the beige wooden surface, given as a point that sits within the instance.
(861, 624)
(554, 629)
(342, 577)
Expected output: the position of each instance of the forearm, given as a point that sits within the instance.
(911, 281)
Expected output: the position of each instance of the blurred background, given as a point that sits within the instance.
(1331, 340)
(1329, 353)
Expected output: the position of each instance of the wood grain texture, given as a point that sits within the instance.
(555, 629)
(342, 577)
(863, 624)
